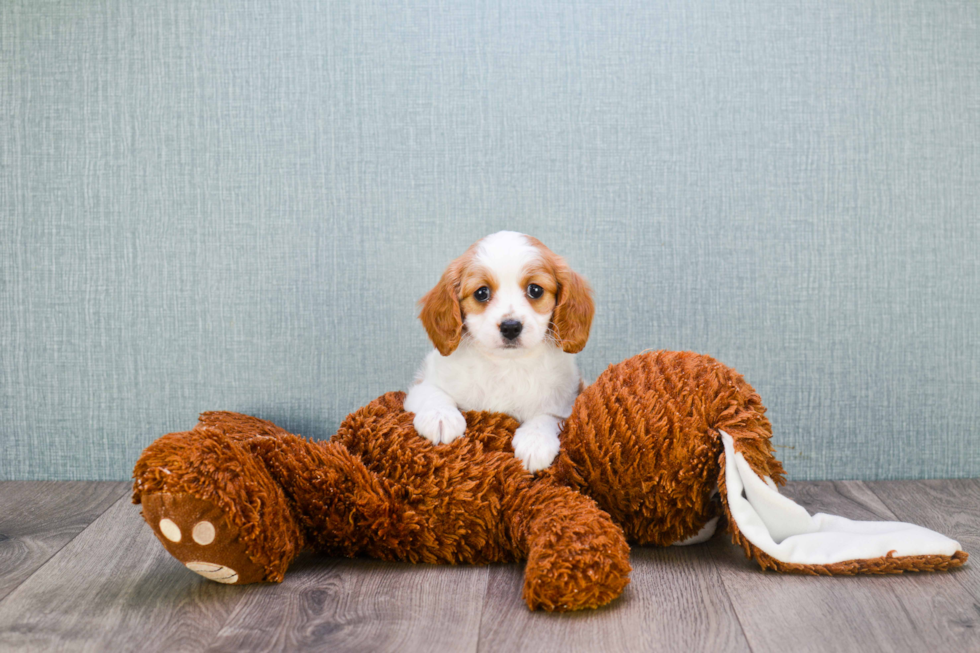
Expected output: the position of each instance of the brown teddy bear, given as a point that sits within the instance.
(658, 449)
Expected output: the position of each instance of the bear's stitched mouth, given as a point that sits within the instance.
(211, 571)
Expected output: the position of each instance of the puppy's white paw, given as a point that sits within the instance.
(535, 446)
(441, 425)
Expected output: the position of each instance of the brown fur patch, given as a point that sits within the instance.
(541, 274)
(473, 278)
(441, 312)
(574, 308)
(642, 441)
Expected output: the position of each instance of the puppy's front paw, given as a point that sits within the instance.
(441, 425)
(535, 446)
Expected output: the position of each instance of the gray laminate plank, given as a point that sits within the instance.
(675, 602)
(38, 518)
(115, 588)
(909, 612)
(329, 604)
(951, 507)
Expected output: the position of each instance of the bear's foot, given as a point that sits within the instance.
(200, 535)
(213, 504)
(577, 557)
(589, 577)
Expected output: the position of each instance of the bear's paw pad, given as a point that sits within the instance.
(199, 535)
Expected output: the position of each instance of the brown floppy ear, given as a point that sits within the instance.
(441, 314)
(573, 310)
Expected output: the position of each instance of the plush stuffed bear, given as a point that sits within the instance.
(656, 451)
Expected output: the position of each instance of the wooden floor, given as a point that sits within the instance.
(79, 570)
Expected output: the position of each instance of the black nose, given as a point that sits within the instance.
(510, 329)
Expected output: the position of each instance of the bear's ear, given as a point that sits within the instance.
(441, 313)
(574, 308)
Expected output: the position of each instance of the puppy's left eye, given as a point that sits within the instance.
(534, 291)
(482, 294)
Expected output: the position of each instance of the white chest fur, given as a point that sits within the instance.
(543, 380)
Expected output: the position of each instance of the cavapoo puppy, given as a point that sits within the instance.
(506, 318)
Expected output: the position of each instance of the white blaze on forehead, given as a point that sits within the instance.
(507, 253)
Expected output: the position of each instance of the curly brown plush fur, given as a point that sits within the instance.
(643, 441)
(640, 460)
(378, 489)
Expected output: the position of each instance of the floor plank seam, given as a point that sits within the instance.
(483, 610)
(728, 595)
(54, 554)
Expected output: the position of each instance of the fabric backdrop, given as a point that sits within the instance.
(235, 205)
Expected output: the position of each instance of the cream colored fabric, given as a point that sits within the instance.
(787, 532)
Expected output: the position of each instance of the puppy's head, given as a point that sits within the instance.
(509, 293)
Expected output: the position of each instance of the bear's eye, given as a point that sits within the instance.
(482, 294)
(534, 291)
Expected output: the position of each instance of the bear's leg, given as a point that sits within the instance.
(215, 507)
(237, 498)
(577, 557)
(343, 507)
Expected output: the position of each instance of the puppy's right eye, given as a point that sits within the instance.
(482, 294)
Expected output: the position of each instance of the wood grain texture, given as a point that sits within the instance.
(361, 605)
(674, 602)
(115, 588)
(37, 518)
(951, 507)
(912, 612)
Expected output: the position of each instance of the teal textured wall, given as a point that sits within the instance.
(235, 205)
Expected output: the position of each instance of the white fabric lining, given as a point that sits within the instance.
(702, 535)
(787, 532)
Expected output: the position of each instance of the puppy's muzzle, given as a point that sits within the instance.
(511, 329)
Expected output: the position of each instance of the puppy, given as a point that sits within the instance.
(506, 318)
